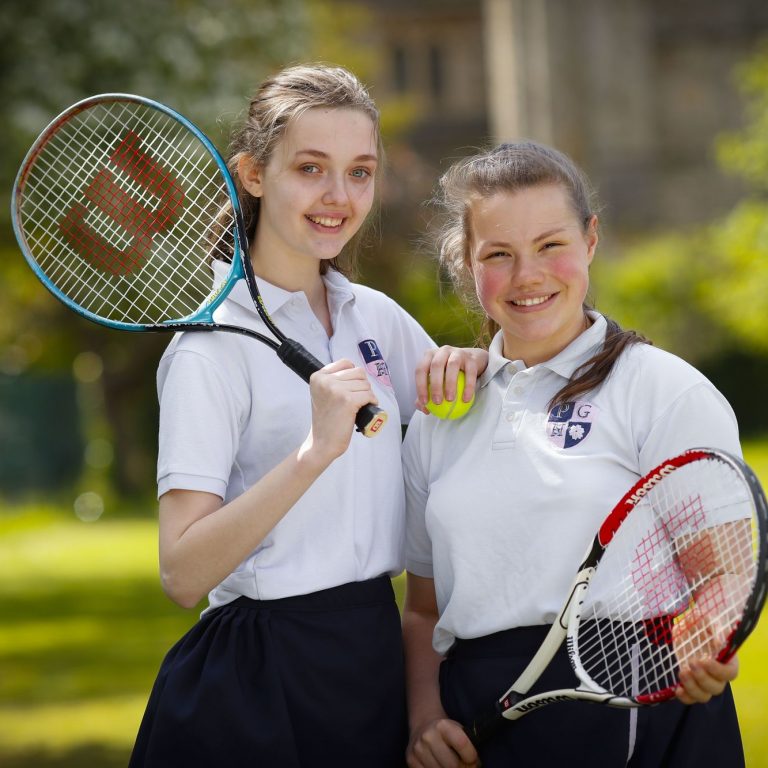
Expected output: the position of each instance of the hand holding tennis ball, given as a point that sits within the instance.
(452, 409)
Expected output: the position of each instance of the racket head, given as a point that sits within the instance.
(677, 572)
(119, 208)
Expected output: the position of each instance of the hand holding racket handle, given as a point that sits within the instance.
(369, 420)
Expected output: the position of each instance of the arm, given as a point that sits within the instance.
(439, 368)
(202, 540)
(436, 741)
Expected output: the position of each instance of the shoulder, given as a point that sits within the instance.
(657, 384)
(384, 314)
(656, 368)
(206, 355)
(208, 345)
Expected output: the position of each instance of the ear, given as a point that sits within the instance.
(591, 238)
(250, 174)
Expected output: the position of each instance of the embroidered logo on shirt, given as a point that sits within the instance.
(569, 424)
(374, 362)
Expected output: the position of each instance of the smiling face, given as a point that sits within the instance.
(316, 189)
(530, 257)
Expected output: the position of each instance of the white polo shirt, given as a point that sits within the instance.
(230, 411)
(502, 504)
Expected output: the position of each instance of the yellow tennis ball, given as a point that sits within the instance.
(455, 409)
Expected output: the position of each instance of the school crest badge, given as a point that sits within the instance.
(375, 364)
(569, 424)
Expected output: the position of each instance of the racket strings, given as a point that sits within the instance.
(117, 210)
(672, 584)
(80, 284)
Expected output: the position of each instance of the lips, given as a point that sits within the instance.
(327, 222)
(532, 301)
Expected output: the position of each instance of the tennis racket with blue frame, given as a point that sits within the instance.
(121, 208)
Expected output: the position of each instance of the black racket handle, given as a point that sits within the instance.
(484, 726)
(369, 420)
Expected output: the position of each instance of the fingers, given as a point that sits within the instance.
(702, 679)
(338, 391)
(442, 744)
(438, 371)
(696, 637)
(342, 376)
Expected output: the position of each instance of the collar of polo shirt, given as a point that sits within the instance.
(338, 287)
(564, 363)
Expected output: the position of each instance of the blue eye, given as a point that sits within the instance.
(310, 169)
(361, 173)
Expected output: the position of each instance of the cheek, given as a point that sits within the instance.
(489, 285)
(362, 195)
(571, 271)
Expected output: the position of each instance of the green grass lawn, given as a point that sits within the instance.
(84, 626)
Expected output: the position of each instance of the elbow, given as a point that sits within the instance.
(180, 593)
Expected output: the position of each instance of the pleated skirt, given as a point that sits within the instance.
(313, 680)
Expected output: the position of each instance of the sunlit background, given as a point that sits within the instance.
(664, 103)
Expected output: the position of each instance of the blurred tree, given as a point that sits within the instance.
(204, 58)
(704, 294)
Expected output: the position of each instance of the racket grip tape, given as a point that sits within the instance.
(483, 726)
(369, 420)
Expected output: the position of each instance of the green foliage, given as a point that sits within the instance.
(736, 292)
(444, 316)
(745, 154)
(705, 293)
(202, 58)
(656, 287)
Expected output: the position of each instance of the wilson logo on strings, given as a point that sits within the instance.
(141, 223)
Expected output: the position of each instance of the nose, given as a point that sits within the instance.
(335, 192)
(526, 271)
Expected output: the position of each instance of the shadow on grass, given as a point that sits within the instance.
(84, 756)
(84, 640)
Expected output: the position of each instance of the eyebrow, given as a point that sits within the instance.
(324, 155)
(549, 233)
(538, 238)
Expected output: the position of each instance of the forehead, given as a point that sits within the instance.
(336, 132)
(522, 214)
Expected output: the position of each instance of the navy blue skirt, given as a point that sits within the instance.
(670, 735)
(314, 680)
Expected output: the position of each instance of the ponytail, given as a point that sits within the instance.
(591, 374)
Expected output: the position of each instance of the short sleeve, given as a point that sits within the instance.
(700, 417)
(199, 424)
(418, 545)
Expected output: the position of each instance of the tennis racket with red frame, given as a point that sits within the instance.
(676, 572)
(122, 208)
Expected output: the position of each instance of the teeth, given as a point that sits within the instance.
(325, 221)
(529, 302)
